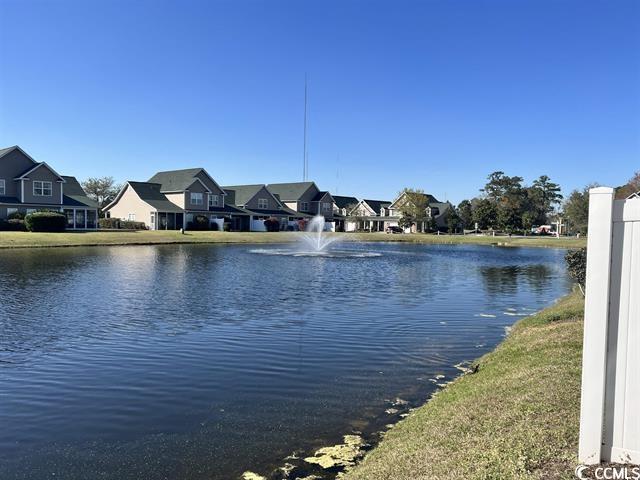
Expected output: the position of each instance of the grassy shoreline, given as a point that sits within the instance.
(516, 418)
(119, 237)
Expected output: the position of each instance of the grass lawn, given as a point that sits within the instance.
(516, 418)
(123, 237)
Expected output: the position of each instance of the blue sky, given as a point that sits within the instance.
(426, 94)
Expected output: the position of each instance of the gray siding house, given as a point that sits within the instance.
(27, 186)
(260, 204)
(304, 197)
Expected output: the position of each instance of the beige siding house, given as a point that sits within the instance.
(27, 186)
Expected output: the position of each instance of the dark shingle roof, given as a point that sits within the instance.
(75, 195)
(175, 180)
(343, 202)
(319, 196)
(377, 204)
(151, 194)
(242, 193)
(4, 151)
(289, 191)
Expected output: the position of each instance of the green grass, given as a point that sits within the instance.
(517, 418)
(123, 237)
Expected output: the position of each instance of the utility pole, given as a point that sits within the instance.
(305, 159)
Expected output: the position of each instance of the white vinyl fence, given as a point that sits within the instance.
(610, 412)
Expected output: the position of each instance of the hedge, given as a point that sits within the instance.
(117, 224)
(45, 222)
(12, 225)
(200, 222)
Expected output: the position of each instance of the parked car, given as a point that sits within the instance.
(394, 230)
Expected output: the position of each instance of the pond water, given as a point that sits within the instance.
(203, 361)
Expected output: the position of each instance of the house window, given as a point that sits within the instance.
(132, 217)
(214, 200)
(344, 212)
(304, 206)
(153, 220)
(2, 187)
(197, 198)
(382, 212)
(326, 207)
(263, 203)
(31, 210)
(11, 211)
(42, 189)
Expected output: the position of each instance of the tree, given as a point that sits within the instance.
(544, 196)
(101, 189)
(576, 210)
(632, 186)
(465, 213)
(453, 220)
(506, 194)
(484, 213)
(413, 207)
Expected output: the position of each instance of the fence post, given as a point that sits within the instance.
(596, 319)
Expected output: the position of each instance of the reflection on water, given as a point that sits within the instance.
(200, 362)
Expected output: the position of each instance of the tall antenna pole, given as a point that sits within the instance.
(304, 151)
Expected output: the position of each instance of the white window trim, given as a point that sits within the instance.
(213, 197)
(263, 203)
(42, 184)
(3, 187)
(131, 217)
(326, 206)
(196, 198)
(304, 206)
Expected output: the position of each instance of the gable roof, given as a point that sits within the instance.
(74, 194)
(178, 180)
(320, 195)
(377, 205)
(5, 151)
(149, 193)
(430, 198)
(290, 191)
(342, 201)
(242, 194)
(37, 166)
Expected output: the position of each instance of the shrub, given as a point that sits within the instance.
(199, 222)
(45, 222)
(272, 224)
(15, 216)
(226, 226)
(12, 225)
(577, 266)
(214, 226)
(116, 223)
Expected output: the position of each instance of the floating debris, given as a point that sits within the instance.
(399, 401)
(389, 425)
(440, 376)
(512, 309)
(341, 455)
(467, 367)
(485, 315)
(286, 469)
(404, 415)
(391, 411)
(442, 385)
(252, 476)
(443, 323)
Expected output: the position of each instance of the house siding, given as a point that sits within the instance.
(12, 165)
(272, 203)
(130, 202)
(196, 187)
(43, 174)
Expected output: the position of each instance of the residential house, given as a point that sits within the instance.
(170, 200)
(305, 198)
(435, 209)
(261, 204)
(27, 186)
(368, 215)
(341, 207)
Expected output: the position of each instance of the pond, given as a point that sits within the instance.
(203, 361)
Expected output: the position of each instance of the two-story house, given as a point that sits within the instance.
(342, 205)
(435, 210)
(368, 215)
(170, 200)
(27, 186)
(304, 197)
(261, 204)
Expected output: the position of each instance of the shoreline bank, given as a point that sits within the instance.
(516, 417)
(12, 240)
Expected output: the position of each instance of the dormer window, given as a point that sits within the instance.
(382, 212)
(197, 198)
(3, 190)
(42, 189)
(304, 206)
(344, 212)
(214, 200)
(263, 203)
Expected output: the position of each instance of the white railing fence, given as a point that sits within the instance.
(610, 411)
